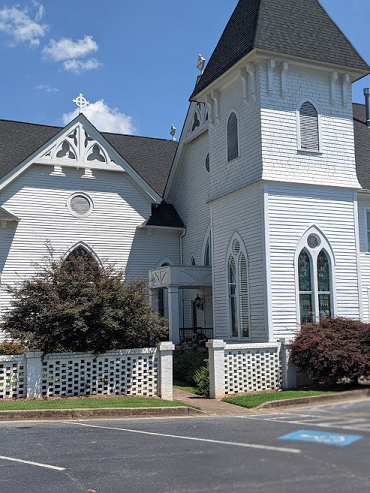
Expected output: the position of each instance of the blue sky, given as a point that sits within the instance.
(134, 60)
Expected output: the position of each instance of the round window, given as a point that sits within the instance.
(313, 241)
(80, 205)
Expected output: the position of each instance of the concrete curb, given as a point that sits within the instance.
(318, 400)
(127, 412)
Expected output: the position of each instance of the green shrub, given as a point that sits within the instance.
(11, 348)
(189, 356)
(332, 349)
(201, 379)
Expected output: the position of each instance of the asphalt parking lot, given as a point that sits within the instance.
(255, 453)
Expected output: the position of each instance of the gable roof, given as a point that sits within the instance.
(150, 158)
(299, 28)
(362, 145)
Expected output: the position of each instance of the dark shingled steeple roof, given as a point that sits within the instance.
(298, 28)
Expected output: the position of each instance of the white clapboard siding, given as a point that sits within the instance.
(191, 204)
(292, 210)
(40, 201)
(280, 125)
(240, 212)
(363, 207)
(246, 169)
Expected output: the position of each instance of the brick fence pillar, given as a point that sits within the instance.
(165, 369)
(216, 353)
(34, 373)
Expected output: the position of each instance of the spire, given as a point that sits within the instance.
(299, 28)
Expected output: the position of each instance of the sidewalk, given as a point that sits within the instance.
(211, 407)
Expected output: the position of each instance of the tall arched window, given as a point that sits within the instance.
(305, 286)
(232, 137)
(315, 278)
(309, 127)
(207, 248)
(323, 284)
(237, 273)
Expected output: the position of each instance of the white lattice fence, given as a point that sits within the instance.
(252, 368)
(135, 372)
(125, 372)
(12, 376)
(240, 368)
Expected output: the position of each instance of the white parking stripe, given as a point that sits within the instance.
(235, 444)
(32, 463)
(358, 424)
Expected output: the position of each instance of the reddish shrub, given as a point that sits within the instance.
(332, 349)
(7, 348)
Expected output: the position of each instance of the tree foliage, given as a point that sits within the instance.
(76, 304)
(332, 349)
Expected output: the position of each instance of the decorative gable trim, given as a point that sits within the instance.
(81, 145)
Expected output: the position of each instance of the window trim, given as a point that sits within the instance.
(87, 197)
(85, 246)
(230, 253)
(208, 237)
(367, 229)
(298, 124)
(314, 253)
(233, 110)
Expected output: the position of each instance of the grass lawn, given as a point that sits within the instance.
(177, 384)
(254, 400)
(86, 402)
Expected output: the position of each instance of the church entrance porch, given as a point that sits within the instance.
(183, 295)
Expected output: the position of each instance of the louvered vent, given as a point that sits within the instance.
(309, 127)
(80, 205)
(232, 137)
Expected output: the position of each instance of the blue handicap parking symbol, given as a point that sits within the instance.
(336, 439)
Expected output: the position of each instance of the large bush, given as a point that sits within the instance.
(333, 349)
(76, 304)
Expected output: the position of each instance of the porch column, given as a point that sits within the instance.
(173, 314)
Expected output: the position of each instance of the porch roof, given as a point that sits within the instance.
(180, 276)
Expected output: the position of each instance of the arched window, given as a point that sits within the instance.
(315, 278)
(81, 259)
(237, 272)
(323, 284)
(309, 127)
(305, 286)
(232, 137)
(207, 249)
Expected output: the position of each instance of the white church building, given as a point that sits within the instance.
(256, 221)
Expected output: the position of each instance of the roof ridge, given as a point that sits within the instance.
(30, 123)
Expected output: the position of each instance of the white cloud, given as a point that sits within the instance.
(46, 88)
(67, 49)
(78, 66)
(17, 23)
(104, 118)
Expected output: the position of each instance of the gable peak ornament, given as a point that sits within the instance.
(80, 102)
(200, 63)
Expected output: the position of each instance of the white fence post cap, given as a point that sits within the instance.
(216, 343)
(166, 346)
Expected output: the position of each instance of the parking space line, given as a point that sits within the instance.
(47, 466)
(235, 444)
